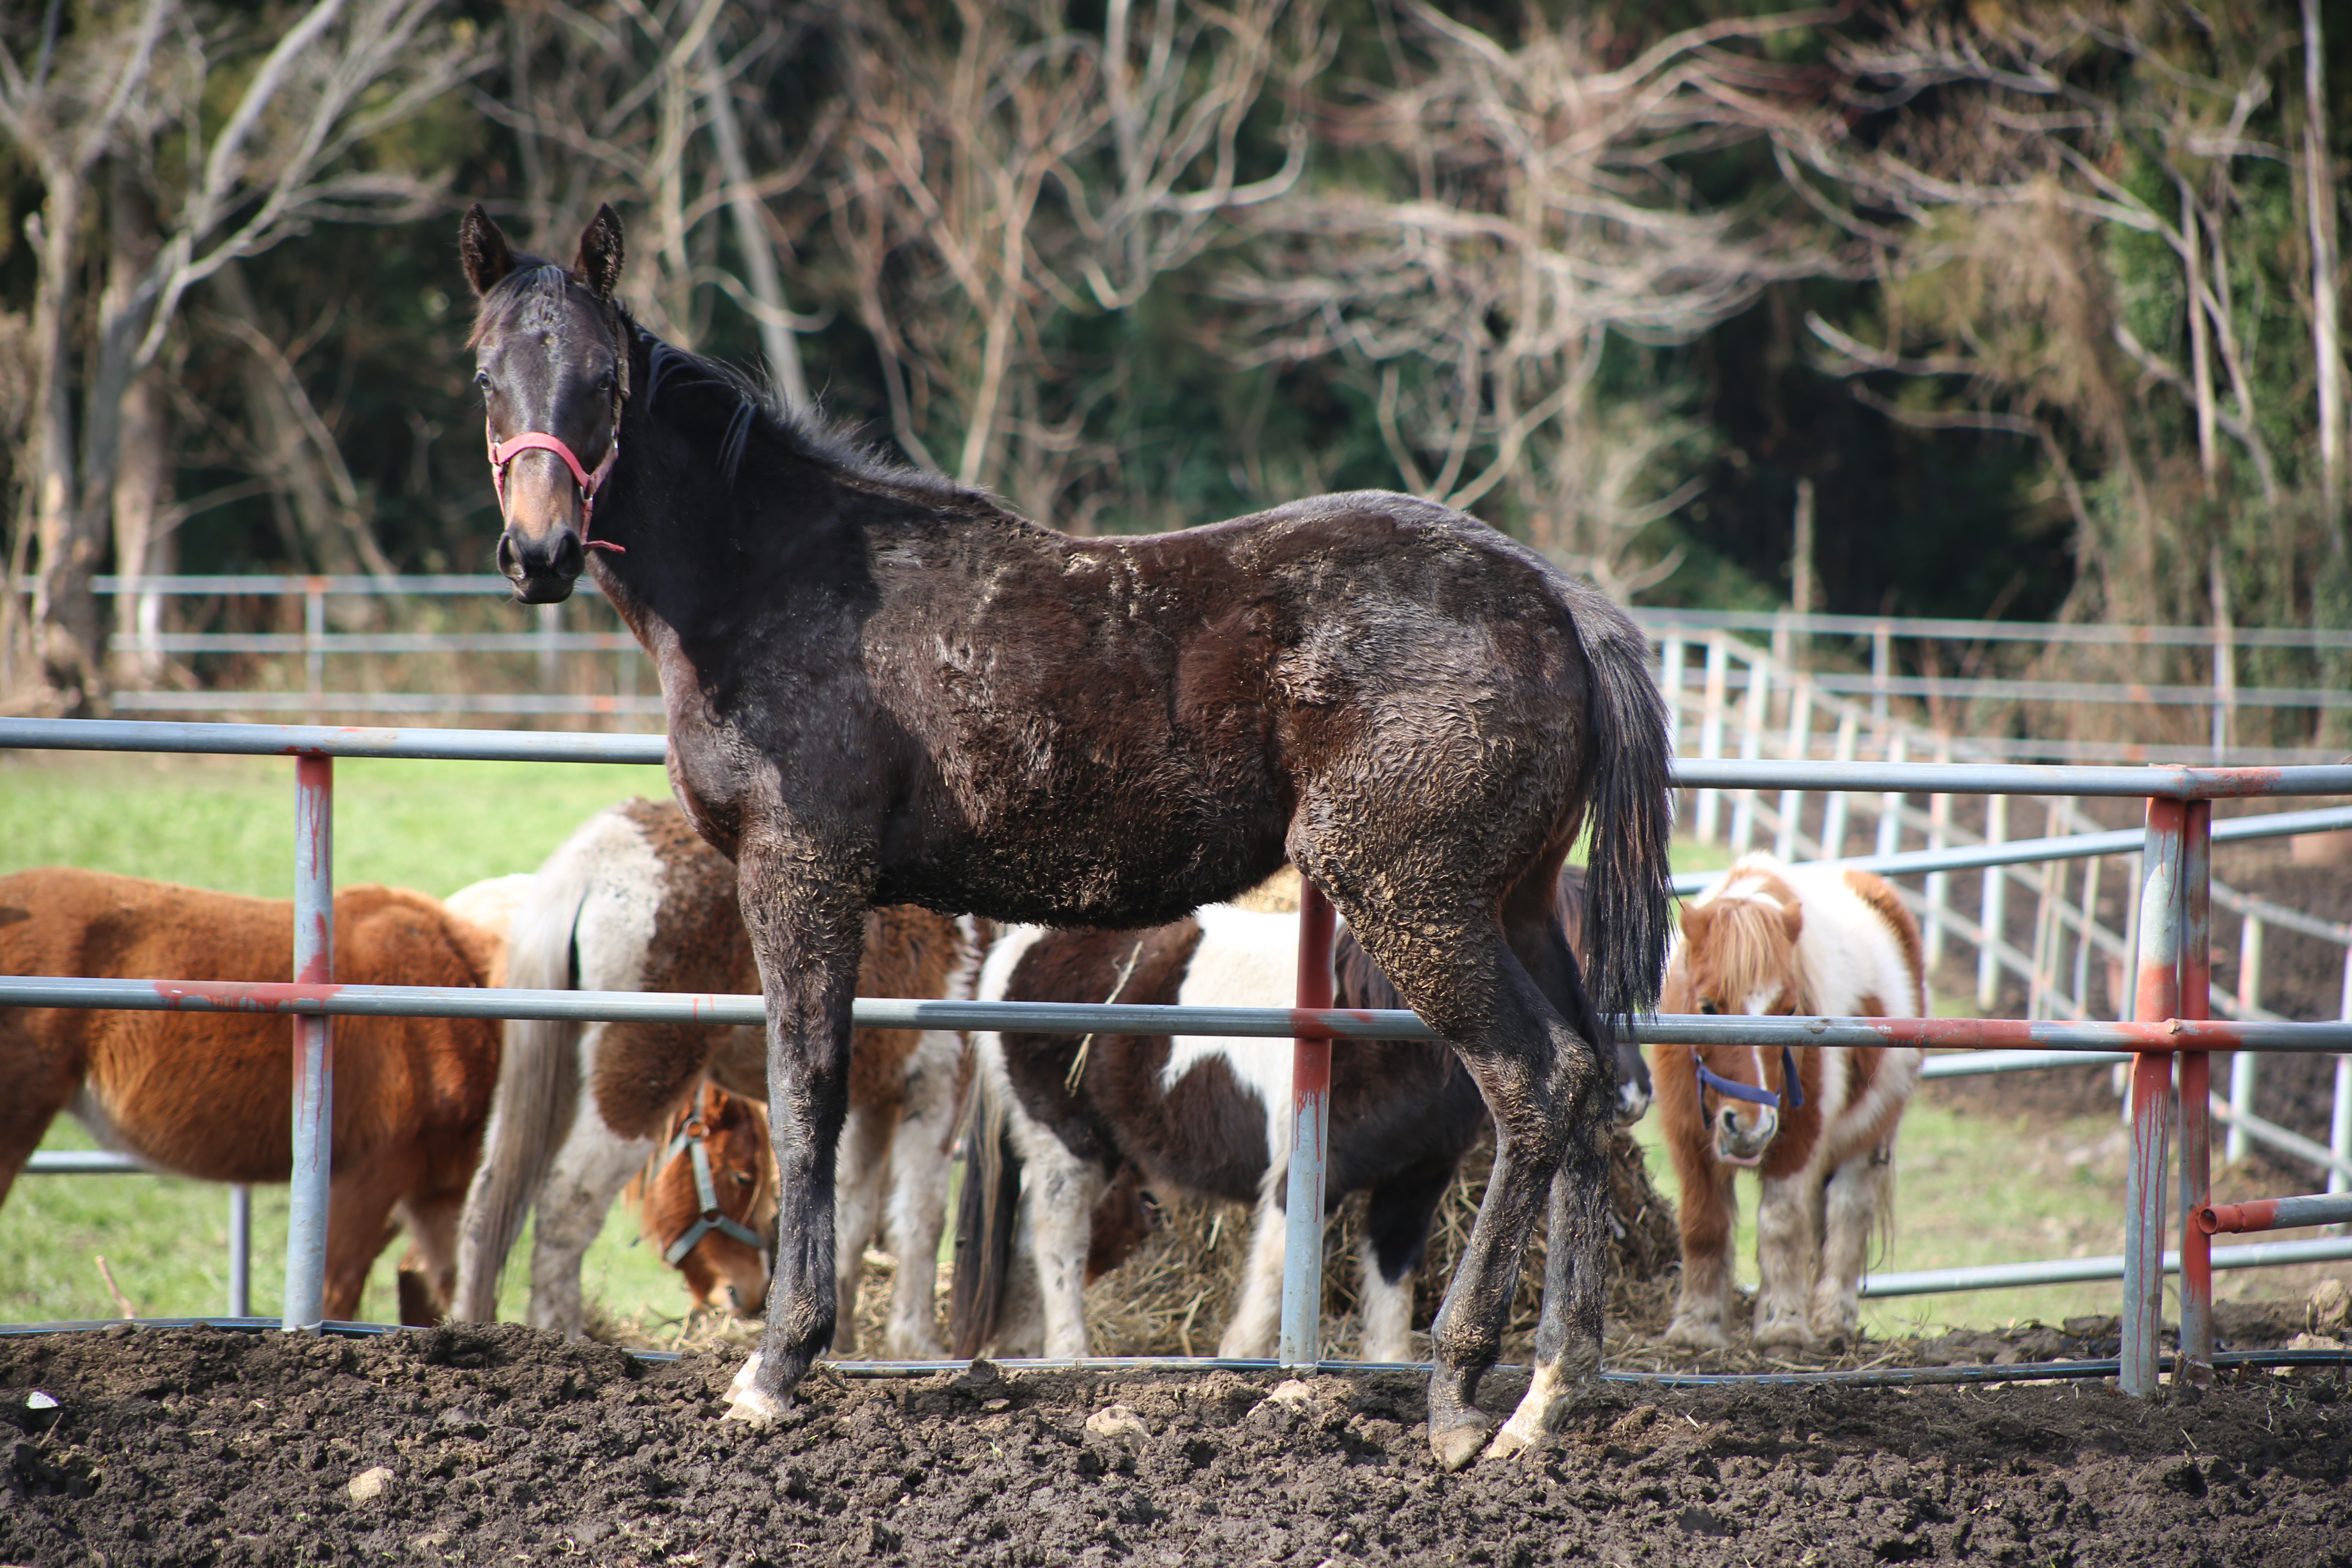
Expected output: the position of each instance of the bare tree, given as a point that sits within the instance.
(1536, 208)
(303, 100)
(995, 173)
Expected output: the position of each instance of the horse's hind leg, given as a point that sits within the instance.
(1547, 1092)
(41, 1079)
(861, 1169)
(1397, 1216)
(1257, 1311)
(588, 1172)
(919, 1194)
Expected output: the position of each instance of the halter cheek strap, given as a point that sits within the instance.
(505, 452)
(690, 1142)
(1751, 1092)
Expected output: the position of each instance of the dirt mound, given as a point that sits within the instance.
(200, 1446)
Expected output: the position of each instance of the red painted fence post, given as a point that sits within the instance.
(1310, 1131)
(2195, 1070)
(314, 1055)
(2161, 920)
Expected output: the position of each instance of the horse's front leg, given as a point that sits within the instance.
(1851, 1200)
(808, 940)
(1788, 1249)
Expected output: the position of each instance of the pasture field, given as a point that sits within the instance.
(1973, 1186)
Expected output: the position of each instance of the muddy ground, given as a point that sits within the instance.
(198, 1446)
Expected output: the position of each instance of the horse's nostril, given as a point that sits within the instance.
(508, 565)
(568, 555)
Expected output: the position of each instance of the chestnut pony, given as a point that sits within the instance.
(883, 688)
(1816, 1124)
(706, 1201)
(209, 1095)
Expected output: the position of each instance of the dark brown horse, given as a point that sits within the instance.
(883, 688)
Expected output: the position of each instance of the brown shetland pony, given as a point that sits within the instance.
(209, 1094)
(1779, 940)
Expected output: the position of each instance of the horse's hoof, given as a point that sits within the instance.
(1457, 1445)
(1697, 1336)
(754, 1408)
(1510, 1443)
(745, 1375)
(1791, 1336)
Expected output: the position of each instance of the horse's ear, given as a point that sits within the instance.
(1695, 918)
(600, 252)
(487, 257)
(1793, 919)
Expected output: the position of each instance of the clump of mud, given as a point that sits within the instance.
(195, 1445)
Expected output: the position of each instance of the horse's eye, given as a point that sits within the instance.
(1709, 1007)
(482, 379)
(742, 1178)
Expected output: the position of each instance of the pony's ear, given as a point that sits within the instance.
(600, 252)
(1695, 918)
(487, 257)
(1793, 919)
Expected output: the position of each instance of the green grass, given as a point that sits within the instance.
(227, 824)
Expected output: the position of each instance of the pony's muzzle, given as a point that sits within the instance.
(1738, 1143)
(544, 566)
(1632, 1101)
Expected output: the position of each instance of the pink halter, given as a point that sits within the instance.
(503, 453)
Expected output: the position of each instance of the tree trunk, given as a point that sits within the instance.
(142, 488)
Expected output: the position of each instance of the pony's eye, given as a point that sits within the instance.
(742, 1178)
(482, 379)
(1709, 1007)
(605, 383)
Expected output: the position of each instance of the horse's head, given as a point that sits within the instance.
(1737, 954)
(552, 363)
(710, 1203)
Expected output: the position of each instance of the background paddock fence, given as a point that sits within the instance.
(2170, 1038)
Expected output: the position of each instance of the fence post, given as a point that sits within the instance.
(1834, 807)
(1890, 805)
(551, 627)
(240, 1250)
(1939, 817)
(1751, 748)
(1710, 728)
(1800, 749)
(1310, 1097)
(2157, 998)
(1881, 668)
(2245, 1064)
(2339, 1121)
(1672, 653)
(314, 645)
(2195, 1070)
(314, 1056)
(1992, 910)
(2089, 909)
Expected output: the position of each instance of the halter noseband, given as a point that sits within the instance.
(691, 1142)
(505, 452)
(1752, 1094)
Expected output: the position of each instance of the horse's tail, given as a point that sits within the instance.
(538, 1088)
(1629, 894)
(984, 1218)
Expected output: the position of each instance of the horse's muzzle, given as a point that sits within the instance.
(1738, 1143)
(1632, 1101)
(542, 568)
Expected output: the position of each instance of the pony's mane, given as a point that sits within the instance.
(527, 297)
(1743, 945)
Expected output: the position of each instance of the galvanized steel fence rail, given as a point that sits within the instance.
(2170, 1021)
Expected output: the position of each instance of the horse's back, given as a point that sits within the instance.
(1860, 946)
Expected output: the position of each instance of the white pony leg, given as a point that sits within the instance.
(590, 1170)
(1787, 1250)
(1257, 1311)
(861, 1164)
(1388, 1309)
(1852, 1211)
(1058, 1199)
(918, 1196)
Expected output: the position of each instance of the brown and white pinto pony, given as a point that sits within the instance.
(635, 900)
(1062, 1127)
(209, 1095)
(1777, 940)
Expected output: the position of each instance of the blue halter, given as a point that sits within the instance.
(1748, 1092)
